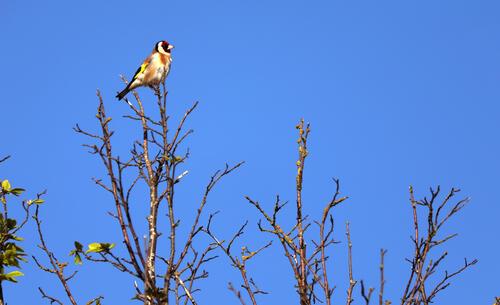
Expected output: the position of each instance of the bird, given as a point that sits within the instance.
(153, 70)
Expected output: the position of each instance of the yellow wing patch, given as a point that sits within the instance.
(141, 69)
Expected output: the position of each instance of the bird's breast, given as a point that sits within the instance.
(159, 68)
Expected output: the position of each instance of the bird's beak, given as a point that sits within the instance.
(170, 47)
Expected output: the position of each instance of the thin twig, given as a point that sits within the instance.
(352, 282)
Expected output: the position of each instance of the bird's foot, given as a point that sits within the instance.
(156, 89)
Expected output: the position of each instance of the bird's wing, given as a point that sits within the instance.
(142, 68)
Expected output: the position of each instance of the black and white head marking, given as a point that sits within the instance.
(164, 47)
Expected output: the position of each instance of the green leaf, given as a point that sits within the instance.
(17, 191)
(6, 185)
(176, 159)
(12, 246)
(12, 254)
(37, 201)
(9, 258)
(94, 247)
(11, 276)
(17, 238)
(78, 259)
(78, 246)
(96, 301)
(99, 247)
(108, 246)
(11, 223)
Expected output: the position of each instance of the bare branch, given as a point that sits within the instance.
(237, 293)
(57, 266)
(4, 159)
(366, 296)
(238, 262)
(52, 300)
(382, 279)
(352, 282)
(422, 264)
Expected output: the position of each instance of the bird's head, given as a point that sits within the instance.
(164, 47)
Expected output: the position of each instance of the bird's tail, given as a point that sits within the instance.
(123, 93)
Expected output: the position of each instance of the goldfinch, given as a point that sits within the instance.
(153, 70)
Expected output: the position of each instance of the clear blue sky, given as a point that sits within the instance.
(397, 92)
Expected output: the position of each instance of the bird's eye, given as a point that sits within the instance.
(165, 45)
